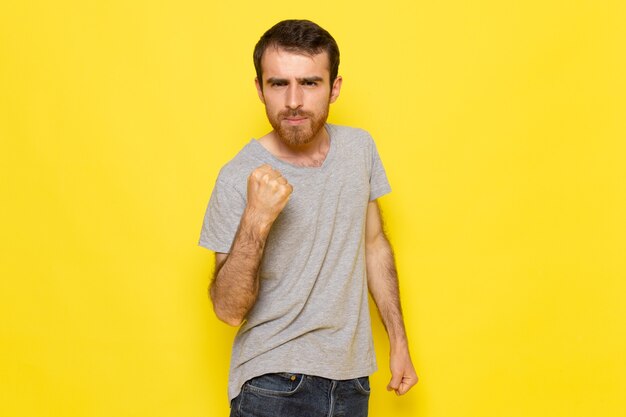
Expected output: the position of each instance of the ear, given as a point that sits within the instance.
(334, 92)
(259, 91)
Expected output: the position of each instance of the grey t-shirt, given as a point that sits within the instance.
(312, 313)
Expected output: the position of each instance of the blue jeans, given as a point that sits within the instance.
(298, 395)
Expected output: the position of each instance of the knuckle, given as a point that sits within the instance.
(261, 169)
(257, 173)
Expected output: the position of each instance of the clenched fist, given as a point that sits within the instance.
(268, 193)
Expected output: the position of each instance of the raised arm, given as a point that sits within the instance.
(382, 280)
(235, 285)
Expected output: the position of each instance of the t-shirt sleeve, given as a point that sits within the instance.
(222, 218)
(379, 185)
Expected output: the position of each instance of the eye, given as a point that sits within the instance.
(278, 84)
(310, 83)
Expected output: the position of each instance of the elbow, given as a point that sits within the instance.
(229, 319)
(224, 314)
(375, 243)
(234, 322)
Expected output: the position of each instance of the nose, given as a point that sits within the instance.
(294, 96)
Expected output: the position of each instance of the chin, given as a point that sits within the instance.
(296, 140)
(296, 136)
(299, 135)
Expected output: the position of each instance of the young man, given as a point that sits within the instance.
(298, 241)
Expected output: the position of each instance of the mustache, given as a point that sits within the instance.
(295, 113)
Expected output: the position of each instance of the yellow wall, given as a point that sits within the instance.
(502, 128)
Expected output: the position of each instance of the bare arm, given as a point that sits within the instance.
(235, 285)
(382, 280)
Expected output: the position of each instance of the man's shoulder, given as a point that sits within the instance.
(351, 138)
(241, 164)
(348, 132)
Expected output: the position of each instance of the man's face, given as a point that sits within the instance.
(296, 92)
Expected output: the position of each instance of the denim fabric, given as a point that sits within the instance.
(298, 395)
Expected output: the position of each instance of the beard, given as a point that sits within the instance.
(300, 134)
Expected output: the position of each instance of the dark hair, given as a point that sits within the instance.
(299, 36)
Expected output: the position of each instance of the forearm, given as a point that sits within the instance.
(235, 286)
(383, 285)
(382, 280)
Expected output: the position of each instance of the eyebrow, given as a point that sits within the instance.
(300, 80)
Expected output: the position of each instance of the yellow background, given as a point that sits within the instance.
(502, 128)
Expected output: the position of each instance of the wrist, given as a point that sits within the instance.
(398, 345)
(257, 220)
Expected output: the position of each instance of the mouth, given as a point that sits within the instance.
(294, 121)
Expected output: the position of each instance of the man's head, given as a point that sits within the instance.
(300, 37)
(297, 63)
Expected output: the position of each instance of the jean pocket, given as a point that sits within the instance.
(280, 384)
(362, 385)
